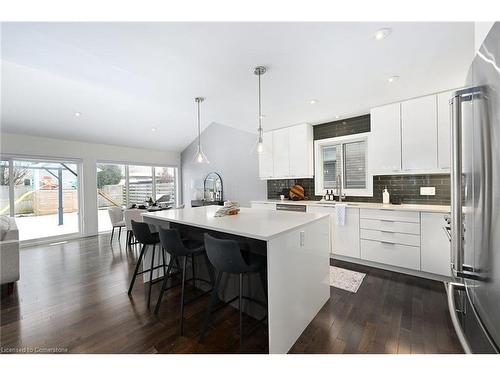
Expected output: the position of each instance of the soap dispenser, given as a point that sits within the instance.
(385, 196)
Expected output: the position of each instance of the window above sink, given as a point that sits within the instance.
(343, 160)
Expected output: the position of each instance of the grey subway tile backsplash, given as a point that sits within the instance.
(354, 125)
(402, 188)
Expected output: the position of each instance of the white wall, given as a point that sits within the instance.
(481, 29)
(229, 151)
(89, 153)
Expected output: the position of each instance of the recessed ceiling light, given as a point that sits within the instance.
(262, 116)
(153, 129)
(78, 114)
(337, 117)
(382, 33)
(313, 101)
(393, 79)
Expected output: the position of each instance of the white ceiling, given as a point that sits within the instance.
(126, 78)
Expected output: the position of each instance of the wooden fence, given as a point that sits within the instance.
(45, 202)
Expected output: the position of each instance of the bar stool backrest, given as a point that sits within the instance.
(115, 215)
(171, 241)
(225, 255)
(132, 214)
(142, 232)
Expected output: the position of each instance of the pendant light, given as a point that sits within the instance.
(199, 157)
(258, 71)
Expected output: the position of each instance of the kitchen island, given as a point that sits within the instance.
(297, 247)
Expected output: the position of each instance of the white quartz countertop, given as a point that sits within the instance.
(252, 223)
(379, 206)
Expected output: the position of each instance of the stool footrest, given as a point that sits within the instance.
(149, 269)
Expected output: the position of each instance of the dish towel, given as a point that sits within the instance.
(340, 213)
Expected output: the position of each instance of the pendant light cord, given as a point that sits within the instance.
(260, 109)
(199, 126)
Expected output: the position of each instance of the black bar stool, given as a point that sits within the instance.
(144, 236)
(226, 257)
(183, 250)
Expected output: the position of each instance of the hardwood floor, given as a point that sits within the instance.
(390, 313)
(72, 297)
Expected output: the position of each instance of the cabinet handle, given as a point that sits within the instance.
(387, 221)
(387, 243)
(448, 233)
(386, 231)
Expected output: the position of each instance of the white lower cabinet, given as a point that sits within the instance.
(435, 247)
(391, 253)
(345, 238)
(410, 240)
(391, 237)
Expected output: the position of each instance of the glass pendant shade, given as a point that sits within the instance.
(200, 157)
(260, 147)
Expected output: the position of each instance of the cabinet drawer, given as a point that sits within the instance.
(391, 226)
(390, 215)
(392, 237)
(393, 254)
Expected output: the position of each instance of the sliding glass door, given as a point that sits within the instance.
(42, 195)
(122, 185)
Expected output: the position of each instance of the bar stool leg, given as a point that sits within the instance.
(136, 269)
(164, 262)
(211, 306)
(151, 274)
(184, 263)
(164, 284)
(112, 233)
(192, 269)
(119, 233)
(240, 306)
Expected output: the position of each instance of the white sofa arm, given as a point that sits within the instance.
(9, 261)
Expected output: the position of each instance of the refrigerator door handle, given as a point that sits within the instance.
(456, 184)
(454, 318)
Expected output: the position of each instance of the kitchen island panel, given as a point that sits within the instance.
(298, 268)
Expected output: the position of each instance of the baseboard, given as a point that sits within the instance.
(425, 275)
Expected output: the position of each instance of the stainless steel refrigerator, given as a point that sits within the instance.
(474, 296)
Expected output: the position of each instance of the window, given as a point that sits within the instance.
(122, 185)
(355, 165)
(342, 160)
(43, 196)
(140, 184)
(331, 166)
(164, 184)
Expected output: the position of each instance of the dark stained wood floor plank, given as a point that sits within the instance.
(390, 313)
(74, 296)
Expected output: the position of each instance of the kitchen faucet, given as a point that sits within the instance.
(340, 194)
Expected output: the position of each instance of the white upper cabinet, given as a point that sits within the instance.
(384, 153)
(419, 134)
(411, 137)
(444, 129)
(266, 167)
(290, 154)
(301, 150)
(281, 152)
